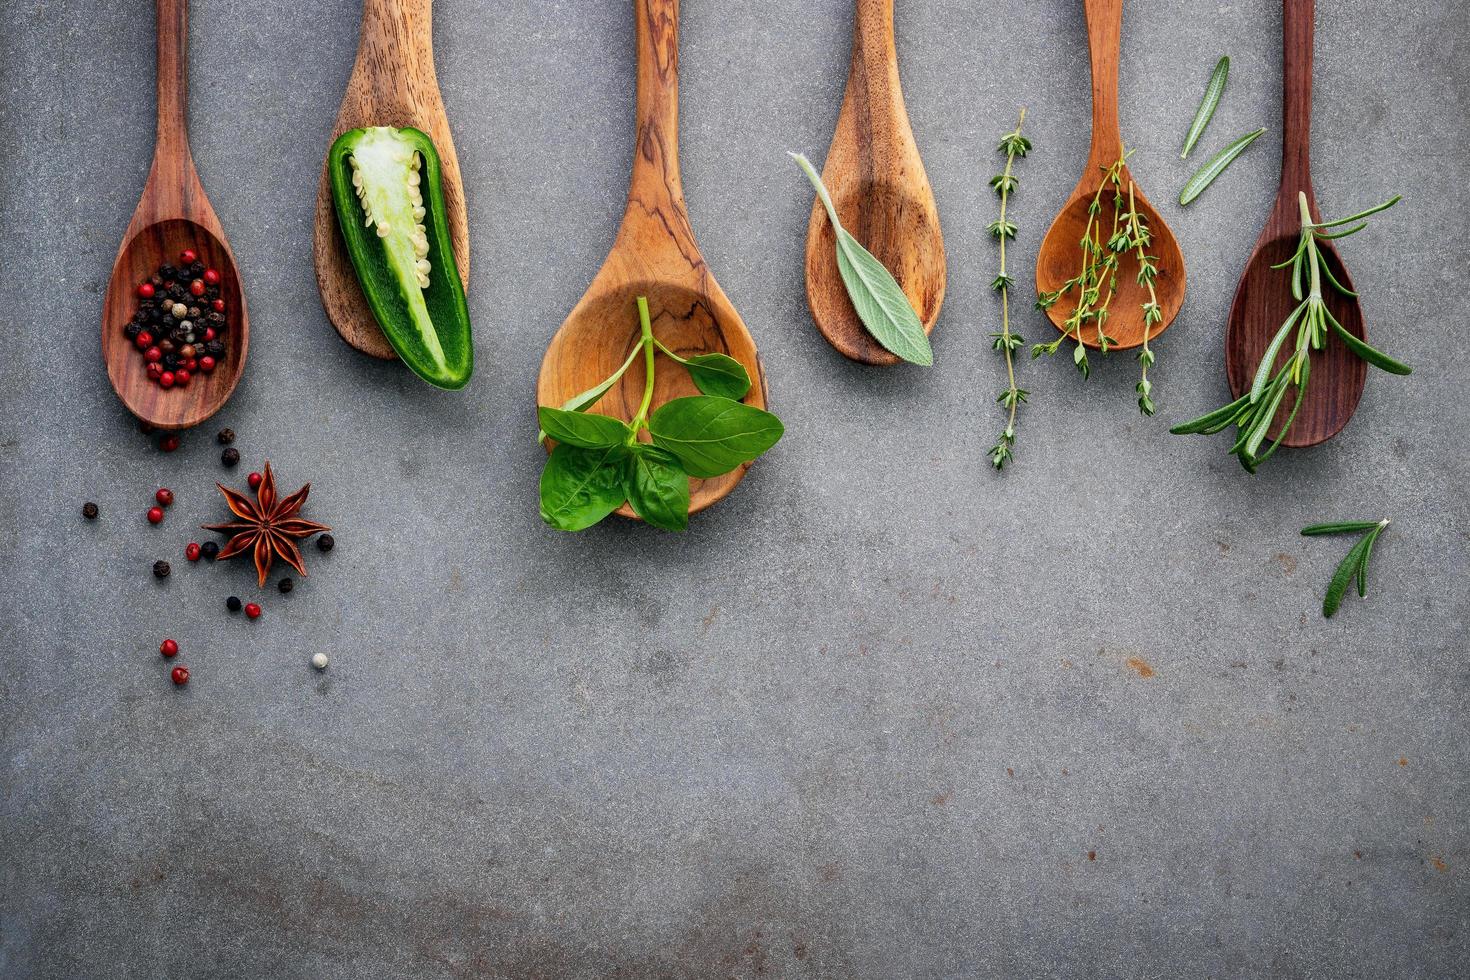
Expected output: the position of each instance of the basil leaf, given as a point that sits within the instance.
(657, 487)
(878, 298)
(590, 397)
(718, 374)
(579, 487)
(583, 429)
(712, 435)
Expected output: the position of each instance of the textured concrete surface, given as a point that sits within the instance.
(880, 714)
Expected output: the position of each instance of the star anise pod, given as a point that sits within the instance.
(269, 527)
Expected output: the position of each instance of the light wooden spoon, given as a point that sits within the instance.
(1060, 257)
(172, 215)
(655, 255)
(392, 84)
(1263, 298)
(882, 194)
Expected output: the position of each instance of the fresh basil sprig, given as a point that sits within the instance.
(1355, 564)
(599, 461)
(1213, 91)
(879, 300)
(1253, 412)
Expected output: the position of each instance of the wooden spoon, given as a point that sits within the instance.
(1060, 257)
(172, 215)
(881, 192)
(1263, 298)
(392, 84)
(655, 255)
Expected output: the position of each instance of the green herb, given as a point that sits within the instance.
(1213, 91)
(1355, 565)
(1096, 285)
(1215, 166)
(599, 461)
(1013, 145)
(1254, 411)
(878, 298)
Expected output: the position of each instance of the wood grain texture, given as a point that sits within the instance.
(1263, 297)
(654, 255)
(393, 83)
(1060, 255)
(881, 192)
(172, 214)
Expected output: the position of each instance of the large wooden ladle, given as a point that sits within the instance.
(655, 256)
(1263, 298)
(172, 215)
(881, 192)
(392, 84)
(1060, 257)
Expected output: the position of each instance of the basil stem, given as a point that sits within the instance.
(1215, 166)
(1213, 91)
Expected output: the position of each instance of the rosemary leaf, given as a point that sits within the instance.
(1213, 92)
(1344, 575)
(1215, 166)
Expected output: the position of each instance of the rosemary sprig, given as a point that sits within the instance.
(1254, 411)
(1013, 145)
(1355, 564)
(1213, 91)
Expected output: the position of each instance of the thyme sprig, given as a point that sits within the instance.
(1253, 412)
(1355, 564)
(1013, 145)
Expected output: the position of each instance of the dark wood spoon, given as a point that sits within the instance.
(655, 255)
(172, 215)
(1263, 298)
(1060, 256)
(881, 192)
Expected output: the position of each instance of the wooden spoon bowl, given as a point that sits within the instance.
(1060, 256)
(1060, 259)
(140, 257)
(172, 215)
(393, 83)
(881, 192)
(655, 255)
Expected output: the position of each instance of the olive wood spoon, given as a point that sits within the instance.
(172, 215)
(881, 192)
(392, 84)
(1263, 298)
(1060, 256)
(655, 255)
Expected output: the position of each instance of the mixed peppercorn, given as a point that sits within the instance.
(181, 322)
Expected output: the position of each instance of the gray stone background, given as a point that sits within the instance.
(874, 715)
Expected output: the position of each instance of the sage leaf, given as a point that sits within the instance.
(1215, 166)
(1214, 89)
(657, 487)
(878, 298)
(719, 374)
(580, 487)
(712, 435)
(584, 429)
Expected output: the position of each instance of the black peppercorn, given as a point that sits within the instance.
(89, 511)
(326, 543)
(161, 569)
(285, 585)
(230, 456)
(209, 550)
(226, 436)
(233, 603)
(168, 272)
(170, 360)
(196, 269)
(132, 330)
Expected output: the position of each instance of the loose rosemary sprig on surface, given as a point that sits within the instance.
(1254, 411)
(1355, 565)
(1013, 145)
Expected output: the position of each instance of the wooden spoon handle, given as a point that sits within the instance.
(399, 30)
(873, 83)
(1104, 37)
(656, 180)
(171, 142)
(1297, 17)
